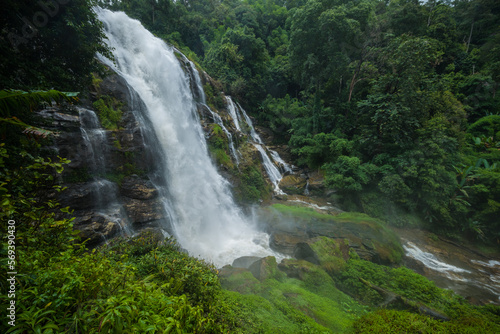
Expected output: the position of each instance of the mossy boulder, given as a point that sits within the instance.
(245, 261)
(331, 254)
(293, 184)
(367, 236)
(266, 268)
(238, 279)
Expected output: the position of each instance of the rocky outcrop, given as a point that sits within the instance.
(143, 211)
(265, 268)
(96, 228)
(109, 180)
(368, 237)
(137, 188)
(245, 261)
(293, 184)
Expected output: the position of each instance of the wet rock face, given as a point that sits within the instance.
(293, 184)
(96, 228)
(137, 188)
(108, 180)
(143, 211)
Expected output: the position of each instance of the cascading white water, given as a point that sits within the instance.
(276, 157)
(271, 169)
(232, 111)
(198, 86)
(255, 136)
(218, 120)
(95, 139)
(104, 192)
(431, 261)
(205, 219)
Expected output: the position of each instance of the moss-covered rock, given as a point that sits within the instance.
(369, 237)
(266, 268)
(293, 184)
(238, 279)
(332, 254)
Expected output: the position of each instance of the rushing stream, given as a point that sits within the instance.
(454, 267)
(204, 217)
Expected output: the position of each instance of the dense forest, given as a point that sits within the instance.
(394, 102)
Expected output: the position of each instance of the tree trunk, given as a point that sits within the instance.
(470, 37)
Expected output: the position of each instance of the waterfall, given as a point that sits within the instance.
(197, 87)
(431, 261)
(286, 167)
(218, 120)
(205, 219)
(272, 171)
(104, 192)
(232, 111)
(253, 134)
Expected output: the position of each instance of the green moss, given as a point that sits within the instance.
(330, 254)
(243, 282)
(411, 286)
(393, 321)
(257, 314)
(252, 186)
(218, 146)
(117, 144)
(312, 304)
(359, 225)
(96, 83)
(109, 111)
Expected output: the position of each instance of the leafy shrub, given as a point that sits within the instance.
(109, 112)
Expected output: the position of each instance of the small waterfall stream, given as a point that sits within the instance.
(454, 268)
(205, 219)
(272, 171)
(104, 192)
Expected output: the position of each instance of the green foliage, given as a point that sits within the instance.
(486, 126)
(291, 305)
(109, 112)
(16, 107)
(394, 321)
(348, 174)
(52, 44)
(218, 145)
(252, 187)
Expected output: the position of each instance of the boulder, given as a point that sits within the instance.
(303, 251)
(237, 279)
(331, 254)
(143, 211)
(265, 268)
(293, 184)
(96, 228)
(369, 237)
(137, 188)
(245, 261)
(285, 241)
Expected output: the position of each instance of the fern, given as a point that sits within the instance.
(18, 101)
